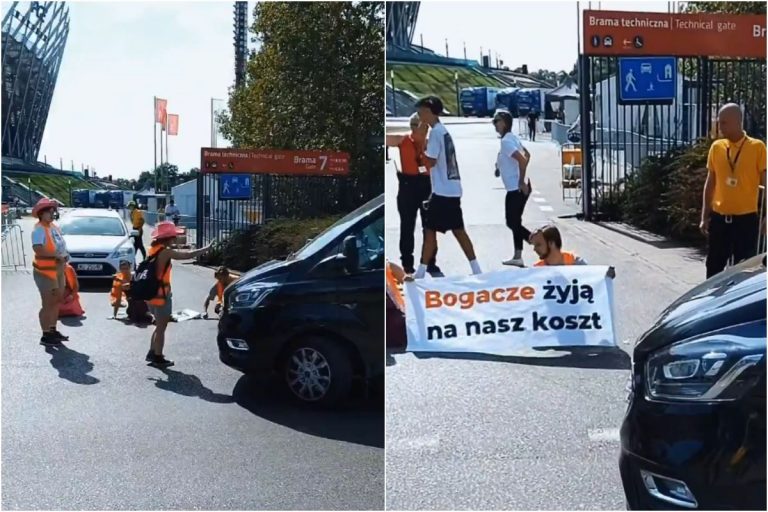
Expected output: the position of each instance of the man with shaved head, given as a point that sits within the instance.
(736, 169)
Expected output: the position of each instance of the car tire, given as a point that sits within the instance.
(317, 371)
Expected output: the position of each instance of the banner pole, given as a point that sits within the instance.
(154, 136)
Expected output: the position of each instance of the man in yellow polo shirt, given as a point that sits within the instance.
(736, 166)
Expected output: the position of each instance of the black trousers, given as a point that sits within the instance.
(731, 236)
(514, 206)
(138, 244)
(532, 132)
(411, 194)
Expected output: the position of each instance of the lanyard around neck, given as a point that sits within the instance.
(734, 163)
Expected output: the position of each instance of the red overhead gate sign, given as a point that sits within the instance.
(680, 35)
(274, 161)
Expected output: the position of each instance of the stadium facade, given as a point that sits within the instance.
(34, 35)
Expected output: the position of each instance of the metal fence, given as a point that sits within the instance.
(617, 138)
(13, 254)
(277, 196)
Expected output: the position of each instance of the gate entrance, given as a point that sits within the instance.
(650, 82)
(239, 188)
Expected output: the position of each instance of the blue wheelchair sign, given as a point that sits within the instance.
(648, 80)
(235, 186)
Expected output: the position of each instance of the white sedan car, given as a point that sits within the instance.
(97, 240)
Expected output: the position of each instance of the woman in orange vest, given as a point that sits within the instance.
(70, 304)
(161, 251)
(48, 270)
(223, 279)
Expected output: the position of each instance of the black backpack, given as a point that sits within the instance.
(145, 283)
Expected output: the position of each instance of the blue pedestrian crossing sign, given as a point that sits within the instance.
(235, 186)
(648, 80)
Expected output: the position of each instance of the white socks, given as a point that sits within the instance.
(420, 272)
(475, 267)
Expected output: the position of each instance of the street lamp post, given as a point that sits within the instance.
(29, 187)
(69, 185)
(394, 96)
(458, 96)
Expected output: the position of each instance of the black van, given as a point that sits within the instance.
(315, 319)
(694, 432)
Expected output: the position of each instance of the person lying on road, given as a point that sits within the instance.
(548, 244)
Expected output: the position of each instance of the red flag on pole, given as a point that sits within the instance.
(160, 112)
(173, 124)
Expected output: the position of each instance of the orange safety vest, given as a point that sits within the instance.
(219, 292)
(117, 286)
(71, 277)
(164, 276)
(46, 266)
(568, 259)
(394, 289)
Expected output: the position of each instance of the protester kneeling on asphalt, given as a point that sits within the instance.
(548, 244)
(160, 255)
(223, 279)
(121, 282)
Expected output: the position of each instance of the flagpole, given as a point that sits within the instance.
(154, 137)
(213, 127)
(166, 138)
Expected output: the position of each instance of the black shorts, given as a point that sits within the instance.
(443, 214)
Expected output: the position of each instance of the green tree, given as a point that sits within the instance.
(315, 82)
(726, 7)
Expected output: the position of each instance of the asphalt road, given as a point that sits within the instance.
(534, 432)
(91, 427)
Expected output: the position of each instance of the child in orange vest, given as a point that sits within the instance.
(120, 283)
(223, 279)
(70, 303)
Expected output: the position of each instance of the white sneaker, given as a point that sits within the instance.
(515, 262)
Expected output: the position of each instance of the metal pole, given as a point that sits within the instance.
(154, 134)
(446, 47)
(458, 96)
(394, 96)
(465, 50)
(213, 126)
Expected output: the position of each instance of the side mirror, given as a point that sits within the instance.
(351, 255)
(134, 233)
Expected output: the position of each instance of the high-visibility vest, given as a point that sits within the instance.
(568, 259)
(71, 277)
(219, 292)
(394, 289)
(117, 286)
(137, 219)
(164, 275)
(46, 266)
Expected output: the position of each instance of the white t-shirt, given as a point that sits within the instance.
(446, 181)
(38, 238)
(509, 168)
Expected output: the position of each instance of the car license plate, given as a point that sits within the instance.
(89, 266)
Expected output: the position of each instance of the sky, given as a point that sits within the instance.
(117, 58)
(541, 34)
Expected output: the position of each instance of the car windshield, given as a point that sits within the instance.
(324, 238)
(93, 226)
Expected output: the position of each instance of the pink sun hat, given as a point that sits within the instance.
(164, 230)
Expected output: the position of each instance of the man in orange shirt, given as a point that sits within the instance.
(414, 188)
(548, 244)
(736, 166)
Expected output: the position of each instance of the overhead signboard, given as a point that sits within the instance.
(274, 161)
(681, 35)
(235, 186)
(648, 80)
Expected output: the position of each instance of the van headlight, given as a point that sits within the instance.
(250, 296)
(713, 368)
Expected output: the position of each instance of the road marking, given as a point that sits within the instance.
(546, 208)
(540, 199)
(603, 434)
(413, 444)
(536, 193)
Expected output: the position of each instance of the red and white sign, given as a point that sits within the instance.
(274, 161)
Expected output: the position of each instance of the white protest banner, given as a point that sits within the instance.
(508, 311)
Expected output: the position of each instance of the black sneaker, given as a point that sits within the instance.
(150, 356)
(160, 362)
(58, 335)
(49, 340)
(435, 271)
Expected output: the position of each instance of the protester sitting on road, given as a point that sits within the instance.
(511, 165)
(121, 283)
(548, 244)
(413, 190)
(223, 279)
(137, 221)
(395, 312)
(443, 210)
(70, 303)
(161, 306)
(736, 169)
(50, 257)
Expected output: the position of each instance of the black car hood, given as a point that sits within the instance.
(268, 270)
(733, 297)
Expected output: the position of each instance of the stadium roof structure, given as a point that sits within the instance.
(34, 35)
